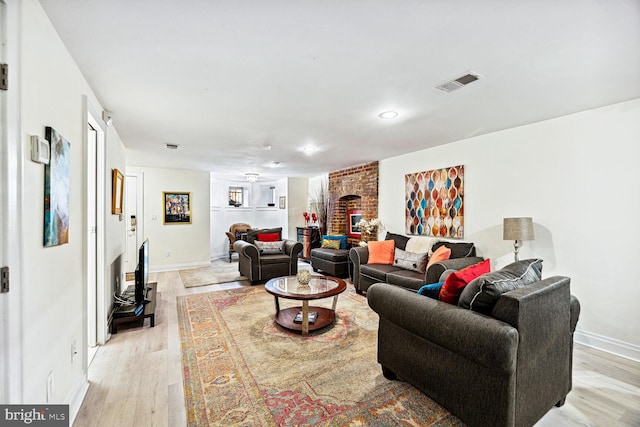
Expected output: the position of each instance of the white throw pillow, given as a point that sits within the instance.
(420, 244)
(270, 248)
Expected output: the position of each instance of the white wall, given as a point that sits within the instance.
(297, 203)
(54, 287)
(255, 212)
(174, 246)
(577, 176)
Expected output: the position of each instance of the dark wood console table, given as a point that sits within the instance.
(149, 309)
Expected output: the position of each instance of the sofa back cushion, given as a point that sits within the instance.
(381, 252)
(399, 240)
(483, 292)
(458, 249)
(252, 235)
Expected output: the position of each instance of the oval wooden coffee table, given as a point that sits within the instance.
(319, 287)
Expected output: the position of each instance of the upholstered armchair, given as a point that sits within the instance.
(263, 260)
(233, 234)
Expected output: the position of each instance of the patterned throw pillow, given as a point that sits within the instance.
(331, 244)
(270, 248)
(410, 261)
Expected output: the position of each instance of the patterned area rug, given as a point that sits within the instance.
(218, 272)
(241, 369)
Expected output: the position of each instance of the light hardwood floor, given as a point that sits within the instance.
(136, 378)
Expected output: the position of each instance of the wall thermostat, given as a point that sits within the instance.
(40, 150)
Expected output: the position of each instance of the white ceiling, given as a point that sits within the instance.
(224, 78)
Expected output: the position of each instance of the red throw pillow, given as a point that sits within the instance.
(268, 237)
(456, 281)
(381, 252)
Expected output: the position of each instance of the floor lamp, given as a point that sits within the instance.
(517, 229)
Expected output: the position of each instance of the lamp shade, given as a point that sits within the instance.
(518, 229)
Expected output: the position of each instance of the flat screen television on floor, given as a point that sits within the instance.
(142, 272)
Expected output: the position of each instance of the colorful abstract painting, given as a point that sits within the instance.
(435, 202)
(56, 190)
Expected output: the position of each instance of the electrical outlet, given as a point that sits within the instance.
(50, 387)
(74, 350)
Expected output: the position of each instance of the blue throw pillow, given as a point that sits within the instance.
(342, 238)
(432, 290)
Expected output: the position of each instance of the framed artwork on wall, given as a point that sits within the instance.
(117, 192)
(56, 190)
(434, 203)
(354, 215)
(177, 207)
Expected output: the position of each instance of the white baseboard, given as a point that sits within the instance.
(76, 398)
(610, 345)
(172, 267)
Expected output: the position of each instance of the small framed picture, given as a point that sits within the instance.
(177, 207)
(282, 202)
(355, 216)
(117, 192)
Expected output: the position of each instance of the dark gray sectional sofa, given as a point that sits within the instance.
(364, 275)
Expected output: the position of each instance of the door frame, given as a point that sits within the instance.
(139, 209)
(11, 183)
(92, 117)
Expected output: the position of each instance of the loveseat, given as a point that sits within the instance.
(365, 274)
(265, 260)
(504, 366)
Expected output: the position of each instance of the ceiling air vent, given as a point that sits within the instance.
(171, 146)
(457, 83)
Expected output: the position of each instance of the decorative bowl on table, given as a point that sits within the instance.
(303, 277)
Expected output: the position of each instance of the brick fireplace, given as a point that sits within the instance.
(354, 188)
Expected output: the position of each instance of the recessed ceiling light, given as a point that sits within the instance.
(171, 146)
(388, 114)
(266, 147)
(309, 150)
(274, 164)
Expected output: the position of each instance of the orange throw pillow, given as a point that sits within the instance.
(456, 281)
(441, 254)
(381, 252)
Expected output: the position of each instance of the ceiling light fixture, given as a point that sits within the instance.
(251, 177)
(309, 150)
(266, 147)
(274, 164)
(388, 114)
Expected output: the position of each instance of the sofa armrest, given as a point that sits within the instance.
(247, 249)
(432, 275)
(469, 334)
(359, 256)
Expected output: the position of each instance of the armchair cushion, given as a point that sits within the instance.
(270, 247)
(331, 244)
(483, 292)
(252, 235)
(341, 237)
(268, 237)
(410, 261)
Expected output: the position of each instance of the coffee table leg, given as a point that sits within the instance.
(305, 317)
(335, 301)
(277, 304)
